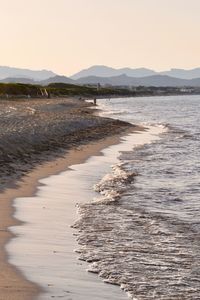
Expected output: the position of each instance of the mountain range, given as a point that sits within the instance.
(103, 71)
(154, 80)
(105, 76)
(8, 72)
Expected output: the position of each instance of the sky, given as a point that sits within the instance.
(69, 35)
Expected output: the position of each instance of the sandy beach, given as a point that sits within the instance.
(29, 159)
(33, 131)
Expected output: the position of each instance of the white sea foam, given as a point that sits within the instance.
(112, 185)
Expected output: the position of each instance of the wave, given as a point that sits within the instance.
(145, 253)
(112, 185)
(129, 243)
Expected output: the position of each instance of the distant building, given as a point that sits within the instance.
(186, 90)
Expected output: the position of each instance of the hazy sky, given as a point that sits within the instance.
(68, 35)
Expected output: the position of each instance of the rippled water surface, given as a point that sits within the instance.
(142, 230)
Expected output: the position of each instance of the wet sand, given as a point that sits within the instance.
(13, 284)
(40, 236)
(38, 138)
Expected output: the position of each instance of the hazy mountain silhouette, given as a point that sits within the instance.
(9, 72)
(57, 79)
(115, 80)
(18, 80)
(103, 71)
(121, 80)
(155, 80)
(143, 79)
(184, 74)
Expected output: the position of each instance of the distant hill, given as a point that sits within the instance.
(183, 74)
(121, 80)
(121, 77)
(18, 80)
(9, 72)
(103, 71)
(115, 80)
(57, 79)
(140, 72)
(155, 80)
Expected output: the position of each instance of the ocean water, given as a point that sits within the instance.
(142, 229)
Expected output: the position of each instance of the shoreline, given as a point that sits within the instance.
(14, 284)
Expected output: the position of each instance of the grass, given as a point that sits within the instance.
(56, 89)
(19, 90)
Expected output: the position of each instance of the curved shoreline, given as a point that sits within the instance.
(13, 284)
(36, 137)
(52, 210)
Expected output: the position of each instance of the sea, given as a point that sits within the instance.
(138, 212)
(143, 232)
